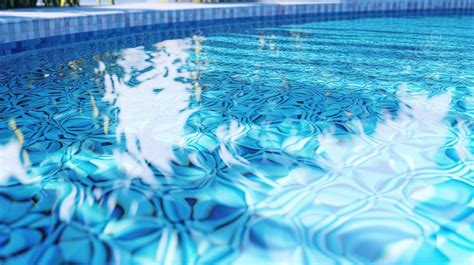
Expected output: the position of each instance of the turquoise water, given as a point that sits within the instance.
(347, 141)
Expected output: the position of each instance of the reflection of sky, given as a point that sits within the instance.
(12, 166)
(409, 141)
(152, 113)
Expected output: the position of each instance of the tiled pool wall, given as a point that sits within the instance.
(36, 33)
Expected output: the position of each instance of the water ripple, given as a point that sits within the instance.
(317, 142)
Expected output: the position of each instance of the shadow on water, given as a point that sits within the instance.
(196, 150)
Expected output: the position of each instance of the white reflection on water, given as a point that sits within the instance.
(12, 166)
(396, 144)
(153, 112)
(366, 174)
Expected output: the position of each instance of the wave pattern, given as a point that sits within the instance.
(331, 142)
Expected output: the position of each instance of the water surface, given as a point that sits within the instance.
(347, 141)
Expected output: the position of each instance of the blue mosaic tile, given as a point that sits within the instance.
(79, 28)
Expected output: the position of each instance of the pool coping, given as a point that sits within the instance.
(21, 31)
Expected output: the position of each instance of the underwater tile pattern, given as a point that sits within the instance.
(308, 142)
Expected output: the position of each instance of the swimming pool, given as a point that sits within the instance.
(339, 141)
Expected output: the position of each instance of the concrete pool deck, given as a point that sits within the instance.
(27, 29)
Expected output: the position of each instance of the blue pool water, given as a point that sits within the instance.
(323, 142)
